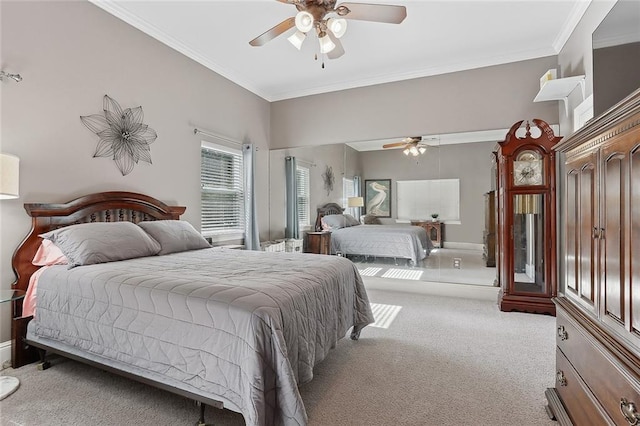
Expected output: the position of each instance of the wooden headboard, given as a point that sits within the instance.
(327, 209)
(99, 207)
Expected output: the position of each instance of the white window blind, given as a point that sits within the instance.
(221, 179)
(348, 190)
(419, 199)
(302, 182)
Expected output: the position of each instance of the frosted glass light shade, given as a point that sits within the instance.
(355, 202)
(304, 21)
(9, 176)
(326, 45)
(337, 26)
(296, 39)
(422, 150)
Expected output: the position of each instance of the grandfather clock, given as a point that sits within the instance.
(527, 220)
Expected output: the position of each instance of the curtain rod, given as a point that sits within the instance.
(197, 131)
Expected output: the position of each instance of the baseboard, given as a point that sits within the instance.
(5, 352)
(463, 246)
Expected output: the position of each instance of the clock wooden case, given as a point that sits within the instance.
(526, 232)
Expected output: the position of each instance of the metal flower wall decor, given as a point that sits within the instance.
(328, 179)
(123, 135)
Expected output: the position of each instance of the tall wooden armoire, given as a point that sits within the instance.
(527, 220)
(598, 321)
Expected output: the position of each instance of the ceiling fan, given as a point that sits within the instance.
(412, 145)
(329, 22)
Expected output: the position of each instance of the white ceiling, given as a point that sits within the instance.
(436, 37)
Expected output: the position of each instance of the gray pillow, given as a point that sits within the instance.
(351, 221)
(100, 242)
(174, 235)
(371, 220)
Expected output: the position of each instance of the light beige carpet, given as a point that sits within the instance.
(449, 357)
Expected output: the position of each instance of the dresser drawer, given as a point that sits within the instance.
(609, 381)
(580, 403)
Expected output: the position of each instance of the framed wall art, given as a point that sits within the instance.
(377, 197)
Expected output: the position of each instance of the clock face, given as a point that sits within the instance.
(527, 169)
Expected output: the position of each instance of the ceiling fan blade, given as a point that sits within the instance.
(338, 50)
(373, 12)
(273, 32)
(393, 145)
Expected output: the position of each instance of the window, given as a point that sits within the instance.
(419, 199)
(302, 182)
(348, 191)
(221, 179)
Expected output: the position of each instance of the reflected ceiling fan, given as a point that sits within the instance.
(414, 145)
(329, 22)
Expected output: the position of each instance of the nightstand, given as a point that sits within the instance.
(8, 384)
(318, 242)
(434, 229)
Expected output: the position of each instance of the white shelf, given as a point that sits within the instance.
(559, 89)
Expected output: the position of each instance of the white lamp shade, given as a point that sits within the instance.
(304, 21)
(338, 26)
(296, 39)
(355, 202)
(326, 45)
(9, 176)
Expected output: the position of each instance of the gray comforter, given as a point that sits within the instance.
(403, 241)
(240, 327)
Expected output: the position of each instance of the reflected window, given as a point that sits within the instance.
(302, 183)
(348, 191)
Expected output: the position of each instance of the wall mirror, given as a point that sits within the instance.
(420, 186)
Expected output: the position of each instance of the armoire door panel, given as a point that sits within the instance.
(634, 236)
(586, 242)
(612, 272)
(571, 234)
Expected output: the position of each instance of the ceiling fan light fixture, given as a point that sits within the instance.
(406, 151)
(304, 21)
(337, 26)
(296, 39)
(326, 45)
(422, 150)
(414, 151)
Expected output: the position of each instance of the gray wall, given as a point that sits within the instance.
(611, 84)
(471, 163)
(576, 58)
(70, 54)
(480, 99)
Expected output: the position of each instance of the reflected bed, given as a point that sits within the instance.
(394, 241)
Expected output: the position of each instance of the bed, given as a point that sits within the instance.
(394, 241)
(228, 328)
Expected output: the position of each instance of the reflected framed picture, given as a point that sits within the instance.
(377, 197)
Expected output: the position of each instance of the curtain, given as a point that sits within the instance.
(251, 234)
(292, 229)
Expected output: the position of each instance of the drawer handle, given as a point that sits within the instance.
(561, 378)
(562, 333)
(630, 412)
